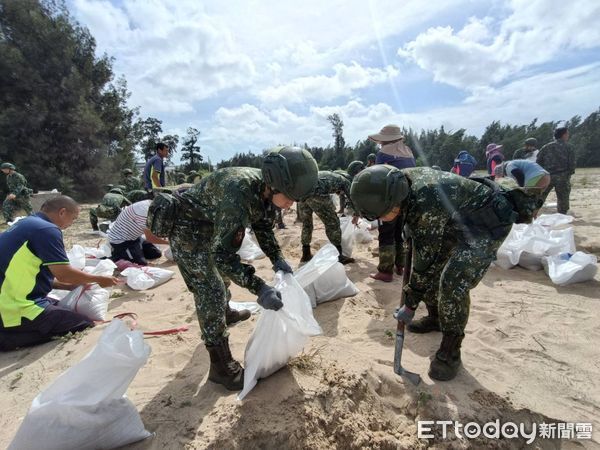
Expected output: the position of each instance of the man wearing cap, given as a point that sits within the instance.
(529, 151)
(207, 228)
(18, 193)
(558, 159)
(321, 204)
(456, 226)
(154, 172)
(391, 244)
(109, 208)
(493, 153)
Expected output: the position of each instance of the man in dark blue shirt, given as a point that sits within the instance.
(154, 172)
(32, 255)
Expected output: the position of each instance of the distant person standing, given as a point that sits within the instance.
(371, 159)
(154, 172)
(493, 153)
(558, 159)
(18, 192)
(396, 153)
(529, 151)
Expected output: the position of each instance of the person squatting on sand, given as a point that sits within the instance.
(32, 262)
(456, 226)
(206, 226)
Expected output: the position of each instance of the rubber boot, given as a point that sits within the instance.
(383, 276)
(343, 259)
(306, 254)
(233, 316)
(225, 370)
(431, 322)
(446, 363)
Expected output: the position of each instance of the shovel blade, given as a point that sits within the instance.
(414, 378)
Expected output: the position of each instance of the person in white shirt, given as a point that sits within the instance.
(130, 237)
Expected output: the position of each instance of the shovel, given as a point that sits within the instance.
(414, 378)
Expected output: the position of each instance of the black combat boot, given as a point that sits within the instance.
(224, 369)
(306, 254)
(233, 316)
(431, 322)
(343, 259)
(446, 362)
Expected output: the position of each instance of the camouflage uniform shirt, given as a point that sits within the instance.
(557, 157)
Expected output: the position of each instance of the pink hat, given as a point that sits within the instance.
(492, 148)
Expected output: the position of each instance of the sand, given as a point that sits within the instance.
(531, 354)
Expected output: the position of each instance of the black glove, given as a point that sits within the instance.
(281, 264)
(269, 298)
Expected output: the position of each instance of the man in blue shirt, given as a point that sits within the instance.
(32, 262)
(154, 172)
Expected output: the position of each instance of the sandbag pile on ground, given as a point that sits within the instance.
(250, 250)
(279, 335)
(146, 277)
(543, 244)
(86, 406)
(323, 278)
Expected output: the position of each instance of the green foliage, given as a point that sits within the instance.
(190, 151)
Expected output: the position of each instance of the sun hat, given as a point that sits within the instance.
(387, 134)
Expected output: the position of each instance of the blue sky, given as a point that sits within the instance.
(252, 74)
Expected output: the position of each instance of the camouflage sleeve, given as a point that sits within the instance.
(572, 162)
(263, 230)
(227, 238)
(346, 189)
(542, 157)
(16, 184)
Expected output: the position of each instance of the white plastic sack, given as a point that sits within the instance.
(15, 220)
(143, 278)
(93, 255)
(348, 235)
(168, 253)
(249, 251)
(86, 407)
(565, 269)
(553, 220)
(537, 241)
(279, 335)
(362, 233)
(77, 257)
(324, 279)
(253, 307)
(91, 300)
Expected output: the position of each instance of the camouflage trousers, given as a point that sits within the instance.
(190, 243)
(391, 246)
(561, 182)
(324, 208)
(458, 268)
(10, 207)
(110, 213)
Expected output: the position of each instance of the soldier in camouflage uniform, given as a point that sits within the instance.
(558, 159)
(18, 193)
(456, 226)
(529, 151)
(133, 187)
(109, 208)
(353, 168)
(209, 226)
(371, 158)
(321, 204)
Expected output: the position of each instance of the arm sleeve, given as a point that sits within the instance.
(263, 230)
(572, 162)
(48, 245)
(226, 241)
(17, 185)
(157, 165)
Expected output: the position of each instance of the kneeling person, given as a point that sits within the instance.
(33, 261)
(125, 236)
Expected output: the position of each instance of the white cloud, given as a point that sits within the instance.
(347, 78)
(536, 32)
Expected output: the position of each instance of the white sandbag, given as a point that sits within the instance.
(323, 278)
(91, 300)
(15, 220)
(553, 220)
(537, 241)
(348, 235)
(279, 335)
(566, 269)
(362, 232)
(93, 255)
(86, 407)
(253, 307)
(143, 278)
(168, 253)
(250, 250)
(77, 257)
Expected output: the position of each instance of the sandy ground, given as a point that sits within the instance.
(531, 354)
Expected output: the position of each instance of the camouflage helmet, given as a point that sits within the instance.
(116, 190)
(531, 141)
(355, 167)
(108, 187)
(371, 157)
(7, 165)
(377, 189)
(292, 171)
(127, 172)
(436, 167)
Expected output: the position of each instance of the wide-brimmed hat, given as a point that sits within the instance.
(492, 148)
(387, 134)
